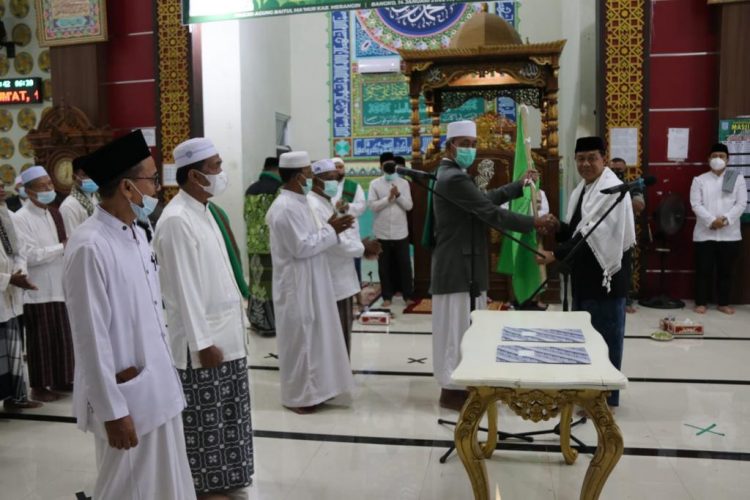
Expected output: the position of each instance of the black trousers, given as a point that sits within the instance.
(720, 255)
(394, 267)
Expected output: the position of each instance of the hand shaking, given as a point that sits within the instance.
(546, 224)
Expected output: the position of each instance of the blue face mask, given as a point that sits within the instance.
(331, 188)
(89, 186)
(307, 186)
(46, 197)
(22, 193)
(391, 177)
(465, 157)
(149, 205)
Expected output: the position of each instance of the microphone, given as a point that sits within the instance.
(629, 186)
(415, 174)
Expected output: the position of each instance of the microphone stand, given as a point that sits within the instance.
(473, 294)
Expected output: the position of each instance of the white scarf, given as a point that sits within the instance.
(616, 234)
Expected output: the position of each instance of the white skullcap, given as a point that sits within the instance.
(19, 180)
(295, 159)
(323, 166)
(193, 150)
(33, 173)
(338, 161)
(464, 128)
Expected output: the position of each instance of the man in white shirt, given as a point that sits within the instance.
(49, 347)
(204, 304)
(390, 199)
(718, 198)
(341, 256)
(13, 281)
(313, 363)
(80, 203)
(127, 391)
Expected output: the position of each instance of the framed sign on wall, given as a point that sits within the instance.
(70, 22)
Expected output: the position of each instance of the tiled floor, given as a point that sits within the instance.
(387, 443)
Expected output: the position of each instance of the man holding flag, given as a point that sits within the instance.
(453, 231)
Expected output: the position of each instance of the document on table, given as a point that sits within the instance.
(555, 335)
(542, 355)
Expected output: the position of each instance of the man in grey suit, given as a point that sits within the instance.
(451, 264)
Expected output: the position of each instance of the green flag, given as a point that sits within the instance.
(514, 260)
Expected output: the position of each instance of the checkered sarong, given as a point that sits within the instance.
(12, 383)
(218, 429)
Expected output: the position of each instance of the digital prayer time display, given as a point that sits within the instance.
(20, 90)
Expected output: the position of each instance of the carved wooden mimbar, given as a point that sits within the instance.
(485, 59)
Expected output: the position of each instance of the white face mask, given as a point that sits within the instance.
(717, 164)
(218, 183)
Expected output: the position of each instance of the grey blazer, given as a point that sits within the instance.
(451, 262)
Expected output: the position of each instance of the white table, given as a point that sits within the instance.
(535, 392)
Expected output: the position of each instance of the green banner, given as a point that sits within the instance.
(735, 133)
(203, 11)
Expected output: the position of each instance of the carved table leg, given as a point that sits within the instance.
(467, 445)
(569, 454)
(488, 448)
(609, 444)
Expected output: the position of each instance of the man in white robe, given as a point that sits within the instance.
(206, 318)
(13, 281)
(340, 256)
(80, 203)
(49, 344)
(127, 391)
(313, 363)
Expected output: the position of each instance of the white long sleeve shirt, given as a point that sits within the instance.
(204, 304)
(709, 202)
(340, 256)
(115, 307)
(44, 254)
(390, 222)
(74, 214)
(11, 300)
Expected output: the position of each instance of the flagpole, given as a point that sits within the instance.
(524, 110)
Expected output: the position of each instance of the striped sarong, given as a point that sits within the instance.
(49, 345)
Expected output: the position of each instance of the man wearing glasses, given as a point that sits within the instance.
(600, 268)
(204, 287)
(127, 391)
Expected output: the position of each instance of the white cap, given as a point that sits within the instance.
(193, 150)
(295, 159)
(323, 166)
(33, 173)
(464, 128)
(337, 161)
(19, 180)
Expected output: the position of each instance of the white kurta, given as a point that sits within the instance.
(115, 307)
(44, 254)
(204, 303)
(313, 362)
(709, 202)
(340, 256)
(451, 317)
(11, 302)
(73, 213)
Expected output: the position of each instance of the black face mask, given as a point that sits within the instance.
(389, 167)
(620, 175)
